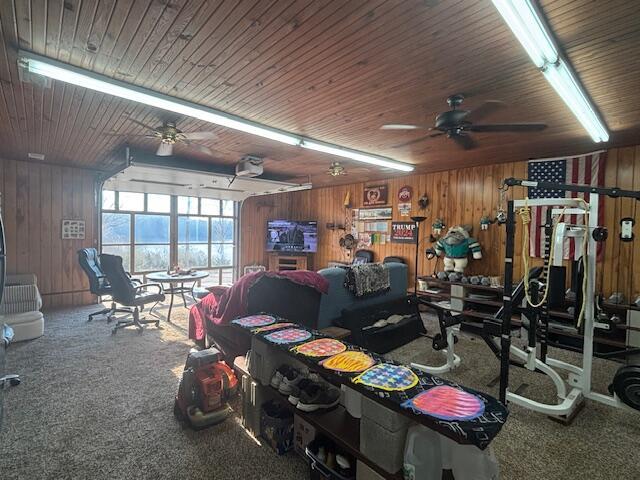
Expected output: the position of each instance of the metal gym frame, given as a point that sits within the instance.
(579, 378)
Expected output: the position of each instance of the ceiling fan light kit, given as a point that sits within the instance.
(76, 76)
(529, 27)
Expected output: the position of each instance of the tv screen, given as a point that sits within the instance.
(288, 236)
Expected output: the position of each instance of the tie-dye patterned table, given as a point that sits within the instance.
(462, 414)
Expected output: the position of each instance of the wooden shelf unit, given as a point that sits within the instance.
(279, 262)
(457, 293)
(341, 428)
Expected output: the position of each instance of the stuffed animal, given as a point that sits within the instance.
(455, 247)
(437, 226)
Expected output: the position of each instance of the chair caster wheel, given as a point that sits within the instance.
(114, 331)
(14, 382)
(158, 324)
(140, 329)
(110, 318)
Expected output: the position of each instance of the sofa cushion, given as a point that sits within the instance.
(26, 326)
(339, 298)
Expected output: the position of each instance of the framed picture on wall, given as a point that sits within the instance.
(384, 213)
(376, 195)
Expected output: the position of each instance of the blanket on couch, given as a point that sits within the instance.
(367, 280)
(224, 304)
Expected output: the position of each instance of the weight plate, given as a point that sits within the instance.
(626, 385)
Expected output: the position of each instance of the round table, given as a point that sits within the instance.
(176, 284)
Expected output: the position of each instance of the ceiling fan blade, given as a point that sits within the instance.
(508, 127)
(153, 129)
(201, 148)
(487, 108)
(417, 140)
(199, 135)
(164, 150)
(401, 126)
(465, 141)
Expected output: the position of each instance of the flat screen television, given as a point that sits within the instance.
(289, 236)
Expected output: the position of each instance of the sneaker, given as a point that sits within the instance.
(291, 380)
(318, 396)
(296, 390)
(278, 375)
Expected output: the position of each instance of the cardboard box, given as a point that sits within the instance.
(303, 434)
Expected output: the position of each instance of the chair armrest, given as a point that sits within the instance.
(22, 279)
(145, 285)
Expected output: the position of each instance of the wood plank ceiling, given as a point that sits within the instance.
(332, 70)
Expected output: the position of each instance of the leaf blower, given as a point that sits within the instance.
(206, 385)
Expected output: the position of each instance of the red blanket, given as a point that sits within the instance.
(224, 304)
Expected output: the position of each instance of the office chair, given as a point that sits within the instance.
(362, 256)
(125, 292)
(393, 259)
(98, 284)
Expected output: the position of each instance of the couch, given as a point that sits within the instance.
(20, 308)
(306, 306)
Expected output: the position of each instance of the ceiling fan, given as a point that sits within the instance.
(336, 169)
(169, 134)
(455, 124)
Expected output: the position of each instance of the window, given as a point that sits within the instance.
(131, 201)
(152, 242)
(188, 205)
(108, 200)
(158, 203)
(193, 239)
(153, 232)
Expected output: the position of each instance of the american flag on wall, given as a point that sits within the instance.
(582, 170)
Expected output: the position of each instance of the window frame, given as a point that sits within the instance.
(216, 273)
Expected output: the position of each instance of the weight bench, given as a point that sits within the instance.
(487, 330)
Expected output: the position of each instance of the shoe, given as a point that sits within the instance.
(291, 380)
(318, 396)
(278, 375)
(294, 397)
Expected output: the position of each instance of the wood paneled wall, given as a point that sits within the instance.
(35, 199)
(460, 196)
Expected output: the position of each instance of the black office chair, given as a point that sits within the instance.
(362, 256)
(98, 284)
(125, 292)
(393, 259)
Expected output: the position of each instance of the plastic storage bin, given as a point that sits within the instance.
(422, 454)
(319, 469)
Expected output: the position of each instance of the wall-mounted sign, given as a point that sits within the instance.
(73, 229)
(404, 201)
(384, 213)
(375, 195)
(403, 232)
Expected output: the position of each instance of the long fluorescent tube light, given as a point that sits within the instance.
(354, 155)
(100, 83)
(527, 25)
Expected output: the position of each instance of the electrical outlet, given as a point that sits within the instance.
(626, 229)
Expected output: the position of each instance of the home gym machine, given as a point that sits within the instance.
(540, 286)
(626, 385)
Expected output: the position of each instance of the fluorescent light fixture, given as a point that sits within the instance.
(355, 155)
(527, 25)
(69, 74)
(563, 81)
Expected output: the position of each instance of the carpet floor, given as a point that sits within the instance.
(93, 405)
